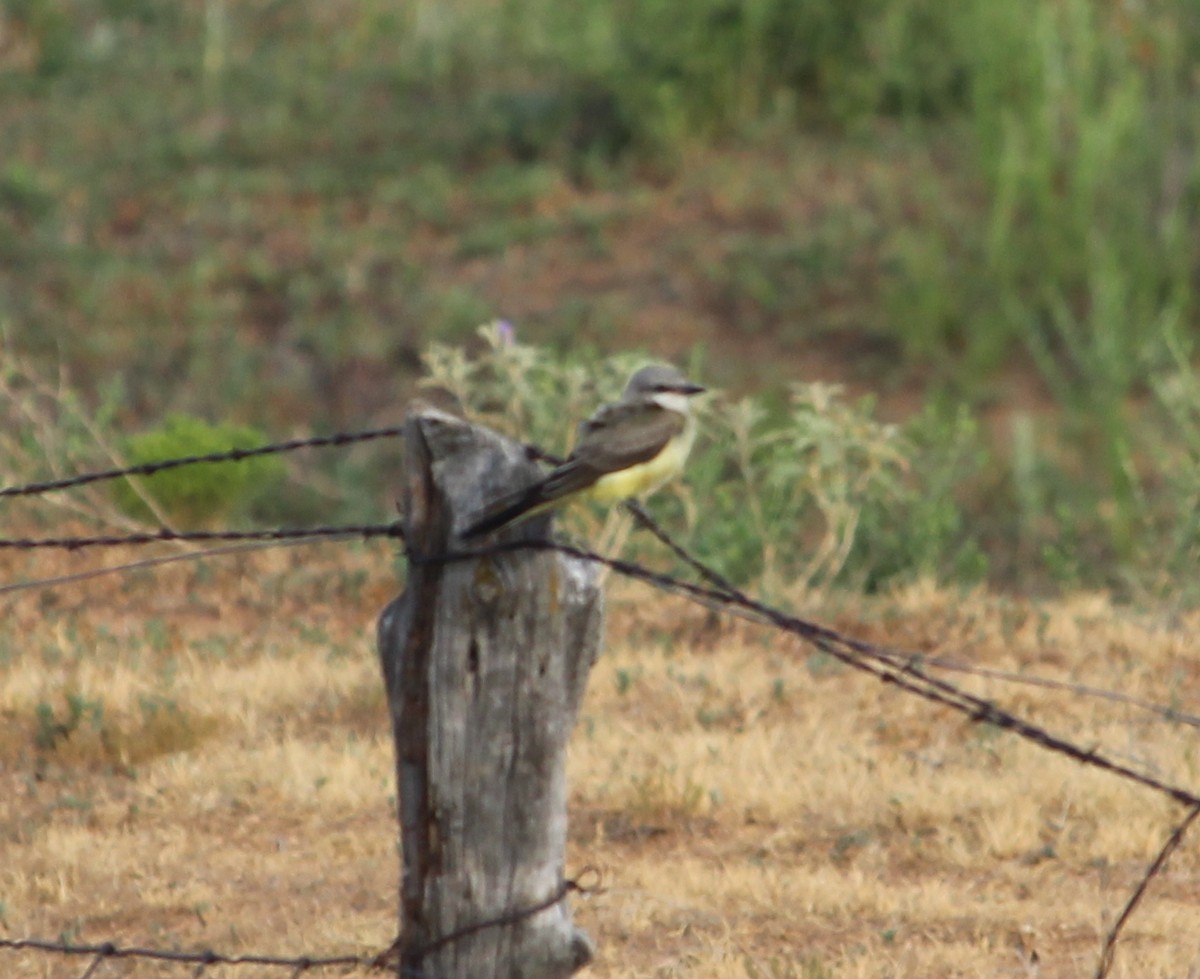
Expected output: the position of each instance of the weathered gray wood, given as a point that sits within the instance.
(485, 663)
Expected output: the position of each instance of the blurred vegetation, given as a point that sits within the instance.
(196, 495)
(824, 494)
(263, 213)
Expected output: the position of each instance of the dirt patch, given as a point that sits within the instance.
(754, 811)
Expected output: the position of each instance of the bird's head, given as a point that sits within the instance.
(663, 384)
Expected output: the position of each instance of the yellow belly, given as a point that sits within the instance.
(644, 478)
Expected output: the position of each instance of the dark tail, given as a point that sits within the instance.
(505, 511)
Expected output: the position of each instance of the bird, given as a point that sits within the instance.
(626, 449)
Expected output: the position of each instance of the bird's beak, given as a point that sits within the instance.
(690, 389)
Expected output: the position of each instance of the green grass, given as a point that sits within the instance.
(264, 213)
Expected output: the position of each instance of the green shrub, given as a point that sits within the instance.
(920, 526)
(195, 494)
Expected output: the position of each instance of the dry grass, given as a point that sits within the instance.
(200, 757)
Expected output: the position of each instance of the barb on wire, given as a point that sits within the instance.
(203, 959)
(1156, 866)
(717, 580)
(364, 531)
(305, 963)
(571, 885)
(230, 455)
(284, 536)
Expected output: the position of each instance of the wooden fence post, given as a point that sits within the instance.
(485, 663)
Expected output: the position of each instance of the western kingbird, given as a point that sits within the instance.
(628, 448)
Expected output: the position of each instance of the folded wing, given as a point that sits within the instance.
(615, 438)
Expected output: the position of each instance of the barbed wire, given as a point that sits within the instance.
(1172, 842)
(203, 959)
(905, 671)
(288, 535)
(228, 455)
(365, 531)
(387, 959)
(911, 665)
(333, 440)
(910, 660)
(569, 886)
(256, 539)
(906, 674)
(723, 595)
(1166, 712)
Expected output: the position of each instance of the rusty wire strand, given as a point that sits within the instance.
(256, 539)
(568, 886)
(908, 660)
(300, 964)
(1173, 714)
(300, 535)
(571, 885)
(229, 455)
(334, 440)
(903, 671)
(364, 531)
(108, 950)
(1172, 842)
